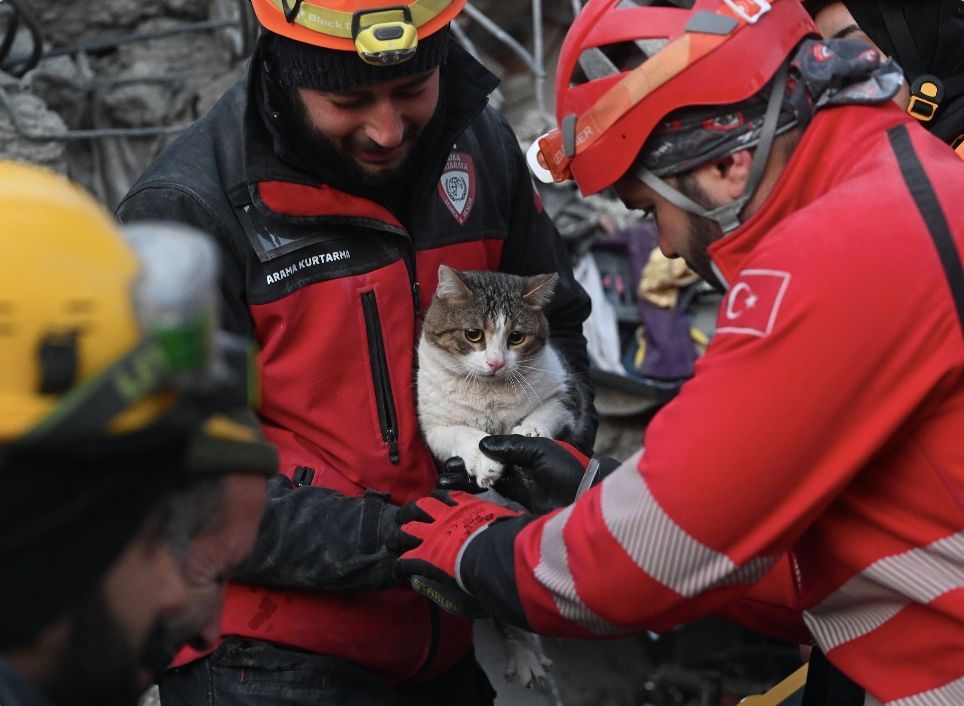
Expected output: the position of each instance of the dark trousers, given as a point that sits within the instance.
(828, 686)
(250, 673)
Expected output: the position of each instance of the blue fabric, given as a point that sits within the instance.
(15, 690)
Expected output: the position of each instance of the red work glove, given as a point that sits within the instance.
(432, 533)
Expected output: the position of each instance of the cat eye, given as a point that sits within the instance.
(473, 335)
(516, 337)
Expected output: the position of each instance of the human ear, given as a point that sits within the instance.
(733, 172)
(724, 179)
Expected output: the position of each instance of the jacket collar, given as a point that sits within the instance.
(839, 144)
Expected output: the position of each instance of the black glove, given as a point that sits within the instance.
(455, 477)
(540, 473)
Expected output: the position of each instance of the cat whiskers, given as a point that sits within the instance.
(466, 381)
(534, 368)
(523, 363)
(519, 380)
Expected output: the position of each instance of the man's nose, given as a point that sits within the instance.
(385, 125)
(170, 587)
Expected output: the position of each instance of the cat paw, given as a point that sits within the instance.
(485, 471)
(526, 663)
(526, 429)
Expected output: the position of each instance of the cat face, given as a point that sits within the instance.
(488, 324)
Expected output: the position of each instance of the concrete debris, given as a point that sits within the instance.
(134, 69)
(34, 117)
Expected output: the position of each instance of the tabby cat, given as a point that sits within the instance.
(486, 366)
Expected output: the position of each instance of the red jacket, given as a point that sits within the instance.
(825, 424)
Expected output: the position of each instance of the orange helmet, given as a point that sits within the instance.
(381, 33)
(693, 52)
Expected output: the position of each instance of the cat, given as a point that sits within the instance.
(486, 367)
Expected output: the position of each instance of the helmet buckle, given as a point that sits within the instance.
(925, 97)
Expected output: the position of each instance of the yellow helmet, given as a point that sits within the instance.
(102, 331)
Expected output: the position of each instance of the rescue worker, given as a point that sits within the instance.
(356, 157)
(809, 478)
(925, 39)
(112, 397)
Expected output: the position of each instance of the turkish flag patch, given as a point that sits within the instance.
(753, 302)
(456, 187)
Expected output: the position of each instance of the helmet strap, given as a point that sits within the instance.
(728, 215)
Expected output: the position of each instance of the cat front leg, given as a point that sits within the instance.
(526, 663)
(463, 441)
(548, 419)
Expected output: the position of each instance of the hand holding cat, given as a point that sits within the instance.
(432, 533)
(542, 474)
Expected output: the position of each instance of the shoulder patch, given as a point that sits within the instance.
(456, 187)
(753, 302)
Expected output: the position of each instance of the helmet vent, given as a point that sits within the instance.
(628, 4)
(58, 360)
(595, 64)
(599, 62)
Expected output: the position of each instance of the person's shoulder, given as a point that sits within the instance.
(204, 158)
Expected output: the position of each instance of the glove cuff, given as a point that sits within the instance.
(582, 458)
(458, 557)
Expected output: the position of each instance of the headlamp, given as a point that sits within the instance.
(385, 36)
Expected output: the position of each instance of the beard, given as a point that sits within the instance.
(98, 664)
(703, 232)
(316, 148)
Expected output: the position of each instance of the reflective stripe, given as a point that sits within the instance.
(553, 572)
(662, 548)
(951, 694)
(884, 588)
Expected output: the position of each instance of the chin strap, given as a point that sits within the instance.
(728, 215)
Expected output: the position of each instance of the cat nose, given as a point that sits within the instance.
(495, 364)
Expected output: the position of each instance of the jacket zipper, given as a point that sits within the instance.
(387, 418)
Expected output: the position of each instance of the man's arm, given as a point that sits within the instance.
(314, 538)
(764, 439)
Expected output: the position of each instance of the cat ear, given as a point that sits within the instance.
(451, 286)
(538, 289)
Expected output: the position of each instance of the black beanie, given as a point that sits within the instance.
(296, 64)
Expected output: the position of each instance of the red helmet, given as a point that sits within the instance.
(710, 52)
